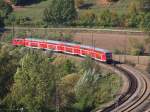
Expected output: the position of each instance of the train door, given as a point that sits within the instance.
(69, 49)
(76, 50)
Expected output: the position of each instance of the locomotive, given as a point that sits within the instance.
(99, 54)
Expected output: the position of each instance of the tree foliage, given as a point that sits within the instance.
(5, 8)
(137, 47)
(25, 2)
(1, 21)
(145, 5)
(37, 82)
(9, 58)
(33, 83)
(60, 12)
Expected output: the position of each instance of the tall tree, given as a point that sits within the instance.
(1, 21)
(60, 12)
(33, 84)
(5, 8)
(145, 5)
(8, 66)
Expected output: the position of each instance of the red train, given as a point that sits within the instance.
(70, 48)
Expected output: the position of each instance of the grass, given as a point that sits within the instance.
(35, 11)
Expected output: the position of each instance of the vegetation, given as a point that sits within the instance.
(25, 2)
(123, 13)
(5, 9)
(148, 67)
(29, 81)
(1, 21)
(60, 12)
(137, 48)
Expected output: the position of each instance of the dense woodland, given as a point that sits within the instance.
(38, 81)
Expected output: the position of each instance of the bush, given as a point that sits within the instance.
(60, 37)
(78, 3)
(1, 21)
(88, 18)
(117, 51)
(137, 48)
(5, 8)
(60, 12)
(114, 19)
(8, 38)
(135, 51)
(145, 22)
(105, 18)
(25, 2)
(145, 5)
(133, 21)
(130, 63)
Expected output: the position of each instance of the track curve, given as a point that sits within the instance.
(133, 95)
(137, 94)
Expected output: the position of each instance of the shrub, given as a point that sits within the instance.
(117, 51)
(60, 12)
(25, 2)
(133, 21)
(105, 18)
(5, 8)
(88, 18)
(114, 19)
(8, 38)
(78, 3)
(130, 63)
(60, 37)
(137, 48)
(145, 22)
(145, 5)
(1, 21)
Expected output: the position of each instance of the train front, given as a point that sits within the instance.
(108, 57)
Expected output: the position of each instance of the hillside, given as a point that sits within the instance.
(36, 11)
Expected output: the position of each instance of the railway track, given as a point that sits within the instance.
(136, 90)
(137, 93)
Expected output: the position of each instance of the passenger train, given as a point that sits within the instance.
(102, 55)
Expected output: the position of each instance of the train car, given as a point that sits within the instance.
(70, 48)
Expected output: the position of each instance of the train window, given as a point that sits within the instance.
(108, 55)
(17, 40)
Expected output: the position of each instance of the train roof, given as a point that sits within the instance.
(71, 44)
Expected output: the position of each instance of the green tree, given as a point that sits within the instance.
(60, 12)
(67, 93)
(136, 47)
(1, 21)
(88, 18)
(78, 3)
(33, 84)
(85, 88)
(145, 23)
(105, 18)
(64, 66)
(5, 8)
(145, 5)
(8, 64)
